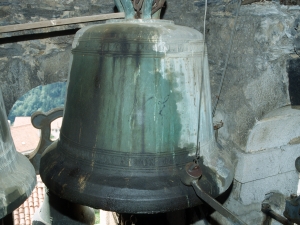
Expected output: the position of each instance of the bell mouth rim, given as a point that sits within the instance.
(146, 21)
(19, 186)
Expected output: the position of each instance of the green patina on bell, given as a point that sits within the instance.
(131, 119)
(17, 175)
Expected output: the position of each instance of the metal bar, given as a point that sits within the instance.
(267, 221)
(59, 22)
(146, 9)
(119, 5)
(128, 8)
(43, 122)
(215, 204)
(266, 209)
(247, 2)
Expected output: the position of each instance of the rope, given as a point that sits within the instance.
(227, 57)
(201, 81)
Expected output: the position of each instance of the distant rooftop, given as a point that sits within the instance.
(22, 120)
(24, 214)
(26, 137)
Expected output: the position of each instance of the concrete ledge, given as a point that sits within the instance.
(276, 129)
(255, 191)
(266, 163)
(251, 214)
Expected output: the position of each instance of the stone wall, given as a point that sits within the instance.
(256, 79)
(36, 57)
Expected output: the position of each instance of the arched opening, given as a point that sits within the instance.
(26, 137)
(42, 98)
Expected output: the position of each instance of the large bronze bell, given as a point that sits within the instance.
(17, 175)
(131, 119)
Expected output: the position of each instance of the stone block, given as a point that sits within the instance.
(255, 191)
(289, 155)
(276, 129)
(250, 214)
(266, 163)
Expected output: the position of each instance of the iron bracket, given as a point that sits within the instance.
(43, 122)
(192, 175)
(292, 209)
(270, 214)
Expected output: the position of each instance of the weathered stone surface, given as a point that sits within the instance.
(246, 198)
(27, 64)
(256, 80)
(275, 130)
(251, 214)
(268, 164)
(36, 58)
(263, 164)
(255, 191)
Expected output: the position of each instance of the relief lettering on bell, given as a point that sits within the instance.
(131, 119)
(17, 175)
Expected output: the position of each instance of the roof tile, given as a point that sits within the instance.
(24, 214)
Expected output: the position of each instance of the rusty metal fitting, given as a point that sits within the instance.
(293, 196)
(191, 172)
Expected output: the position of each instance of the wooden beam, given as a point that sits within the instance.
(59, 22)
